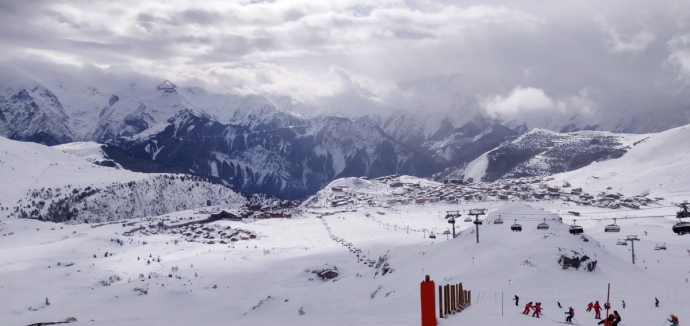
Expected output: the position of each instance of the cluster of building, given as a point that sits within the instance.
(211, 234)
(194, 229)
(399, 192)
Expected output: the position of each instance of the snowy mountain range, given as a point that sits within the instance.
(256, 145)
(290, 162)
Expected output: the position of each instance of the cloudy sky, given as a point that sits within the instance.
(517, 56)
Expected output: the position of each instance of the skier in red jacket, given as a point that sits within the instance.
(589, 306)
(608, 321)
(528, 307)
(537, 310)
(597, 310)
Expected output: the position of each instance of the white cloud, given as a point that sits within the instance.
(519, 101)
(529, 101)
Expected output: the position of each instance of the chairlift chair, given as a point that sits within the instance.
(612, 227)
(516, 227)
(576, 229)
(468, 219)
(622, 243)
(432, 235)
(543, 226)
(499, 220)
(681, 227)
(660, 247)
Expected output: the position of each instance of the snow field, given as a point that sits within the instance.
(246, 276)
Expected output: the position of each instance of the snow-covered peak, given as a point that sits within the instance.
(166, 86)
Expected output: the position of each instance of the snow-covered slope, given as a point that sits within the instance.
(655, 164)
(542, 152)
(25, 166)
(46, 183)
(153, 279)
(90, 151)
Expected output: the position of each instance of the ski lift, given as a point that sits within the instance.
(576, 229)
(446, 232)
(468, 219)
(432, 235)
(622, 243)
(478, 221)
(681, 227)
(543, 226)
(499, 220)
(660, 247)
(612, 227)
(516, 227)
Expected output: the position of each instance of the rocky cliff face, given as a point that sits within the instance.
(291, 162)
(33, 114)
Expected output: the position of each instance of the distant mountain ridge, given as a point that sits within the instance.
(290, 162)
(253, 144)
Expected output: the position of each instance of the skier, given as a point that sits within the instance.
(528, 307)
(517, 299)
(559, 304)
(656, 302)
(589, 307)
(608, 321)
(571, 314)
(607, 306)
(537, 310)
(617, 318)
(623, 304)
(673, 320)
(597, 310)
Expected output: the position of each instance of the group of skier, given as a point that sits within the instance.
(536, 307)
(613, 319)
(597, 309)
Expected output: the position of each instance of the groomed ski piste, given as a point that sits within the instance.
(269, 280)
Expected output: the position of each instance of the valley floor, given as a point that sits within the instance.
(265, 281)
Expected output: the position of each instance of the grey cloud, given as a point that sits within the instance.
(62, 19)
(293, 14)
(150, 22)
(198, 16)
(233, 47)
(628, 63)
(405, 33)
